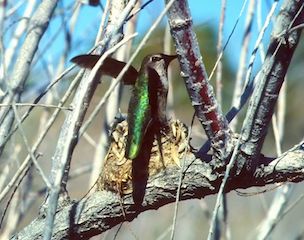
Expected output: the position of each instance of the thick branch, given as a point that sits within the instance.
(195, 76)
(102, 210)
(280, 51)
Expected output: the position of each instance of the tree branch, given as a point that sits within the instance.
(102, 210)
(280, 51)
(195, 76)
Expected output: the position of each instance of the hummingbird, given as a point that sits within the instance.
(148, 101)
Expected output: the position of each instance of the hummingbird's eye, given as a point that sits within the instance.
(155, 58)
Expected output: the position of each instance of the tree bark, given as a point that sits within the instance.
(102, 210)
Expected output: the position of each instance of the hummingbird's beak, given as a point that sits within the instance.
(169, 58)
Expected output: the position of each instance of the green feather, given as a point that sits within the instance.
(139, 115)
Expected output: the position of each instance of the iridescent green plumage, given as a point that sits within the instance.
(144, 100)
(139, 116)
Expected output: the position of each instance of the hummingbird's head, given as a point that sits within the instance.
(160, 61)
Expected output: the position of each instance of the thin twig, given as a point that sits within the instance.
(139, 9)
(13, 193)
(259, 40)
(102, 26)
(221, 190)
(243, 59)
(228, 40)
(219, 49)
(180, 180)
(36, 105)
(18, 32)
(221, 219)
(28, 148)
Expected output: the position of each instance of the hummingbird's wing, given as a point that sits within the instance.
(139, 117)
(110, 67)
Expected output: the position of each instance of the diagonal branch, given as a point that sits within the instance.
(195, 76)
(262, 104)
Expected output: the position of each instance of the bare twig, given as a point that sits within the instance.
(278, 205)
(28, 148)
(180, 181)
(36, 105)
(259, 40)
(139, 9)
(219, 49)
(102, 27)
(242, 62)
(12, 196)
(228, 40)
(221, 218)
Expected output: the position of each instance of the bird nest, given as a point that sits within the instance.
(165, 151)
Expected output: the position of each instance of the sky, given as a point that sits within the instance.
(203, 12)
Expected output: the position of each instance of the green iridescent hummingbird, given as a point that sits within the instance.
(148, 102)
